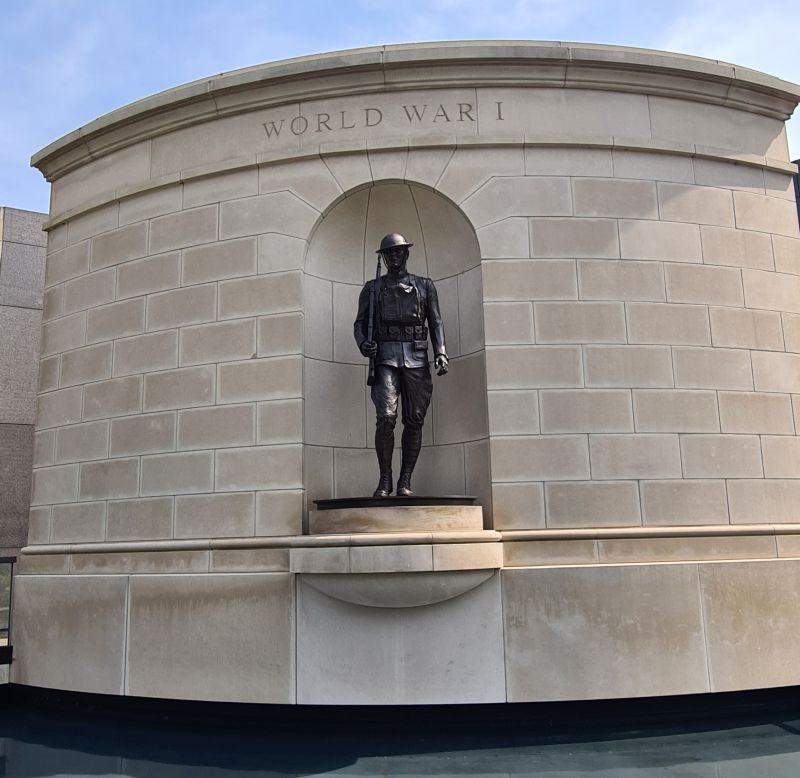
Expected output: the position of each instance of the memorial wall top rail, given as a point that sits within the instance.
(416, 538)
(447, 65)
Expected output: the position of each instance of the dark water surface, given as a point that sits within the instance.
(35, 742)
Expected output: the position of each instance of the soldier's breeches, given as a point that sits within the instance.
(411, 387)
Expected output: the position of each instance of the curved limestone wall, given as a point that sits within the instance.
(640, 319)
(615, 241)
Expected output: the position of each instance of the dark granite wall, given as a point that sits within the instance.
(16, 460)
(22, 258)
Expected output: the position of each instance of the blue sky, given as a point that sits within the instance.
(65, 62)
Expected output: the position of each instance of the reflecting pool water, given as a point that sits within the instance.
(35, 743)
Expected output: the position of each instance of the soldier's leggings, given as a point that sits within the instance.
(411, 385)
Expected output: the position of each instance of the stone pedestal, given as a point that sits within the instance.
(397, 551)
(395, 514)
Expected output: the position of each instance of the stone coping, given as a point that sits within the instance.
(444, 142)
(288, 541)
(677, 531)
(406, 66)
(419, 557)
(417, 538)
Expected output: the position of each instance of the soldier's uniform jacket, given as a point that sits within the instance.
(406, 313)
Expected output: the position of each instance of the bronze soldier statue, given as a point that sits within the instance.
(396, 313)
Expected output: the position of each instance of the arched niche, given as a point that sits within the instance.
(339, 415)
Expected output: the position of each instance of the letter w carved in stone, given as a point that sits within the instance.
(410, 114)
(273, 129)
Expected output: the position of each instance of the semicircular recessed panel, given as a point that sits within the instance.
(397, 590)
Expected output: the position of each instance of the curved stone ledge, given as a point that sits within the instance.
(676, 531)
(409, 538)
(397, 590)
(287, 541)
(420, 552)
(368, 553)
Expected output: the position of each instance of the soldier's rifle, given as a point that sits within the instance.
(371, 321)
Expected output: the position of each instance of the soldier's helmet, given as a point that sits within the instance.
(393, 240)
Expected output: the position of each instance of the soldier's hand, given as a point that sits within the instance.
(442, 364)
(369, 348)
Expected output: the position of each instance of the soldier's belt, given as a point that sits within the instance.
(402, 332)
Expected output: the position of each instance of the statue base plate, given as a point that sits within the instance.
(335, 503)
(349, 515)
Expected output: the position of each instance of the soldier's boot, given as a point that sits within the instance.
(411, 442)
(384, 448)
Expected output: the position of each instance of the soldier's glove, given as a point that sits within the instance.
(442, 363)
(369, 348)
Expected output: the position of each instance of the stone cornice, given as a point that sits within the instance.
(418, 538)
(421, 66)
(278, 541)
